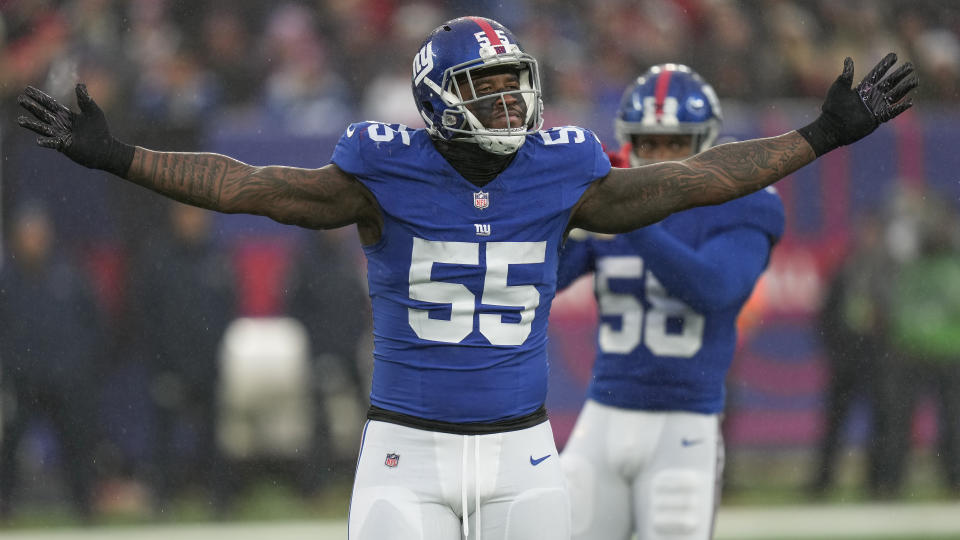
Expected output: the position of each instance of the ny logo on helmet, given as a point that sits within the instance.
(663, 112)
(423, 63)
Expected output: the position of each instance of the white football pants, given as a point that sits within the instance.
(413, 484)
(654, 473)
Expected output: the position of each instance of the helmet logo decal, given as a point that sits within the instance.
(498, 46)
(423, 63)
(488, 37)
(657, 111)
(663, 86)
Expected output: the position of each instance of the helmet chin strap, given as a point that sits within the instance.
(500, 144)
(495, 143)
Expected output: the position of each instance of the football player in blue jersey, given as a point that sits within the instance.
(646, 456)
(462, 224)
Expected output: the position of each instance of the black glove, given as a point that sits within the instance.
(850, 114)
(84, 138)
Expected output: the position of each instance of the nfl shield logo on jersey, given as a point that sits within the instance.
(481, 199)
(392, 460)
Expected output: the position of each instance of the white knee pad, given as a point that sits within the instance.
(679, 502)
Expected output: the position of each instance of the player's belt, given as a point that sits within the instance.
(538, 416)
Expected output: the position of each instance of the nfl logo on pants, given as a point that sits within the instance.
(392, 460)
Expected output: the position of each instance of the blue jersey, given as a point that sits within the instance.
(462, 277)
(669, 295)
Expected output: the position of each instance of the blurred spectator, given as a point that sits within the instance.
(926, 330)
(228, 51)
(36, 35)
(387, 95)
(327, 293)
(854, 327)
(52, 336)
(938, 61)
(182, 301)
(95, 27)
(173, 99)
(794, 43)
(727, 56)
(753, 50)
(356, 31)
(303, 93)
(152, 35)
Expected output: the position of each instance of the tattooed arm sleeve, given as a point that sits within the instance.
(626, 199)
(314, 198)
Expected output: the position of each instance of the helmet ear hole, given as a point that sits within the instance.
(427, 106)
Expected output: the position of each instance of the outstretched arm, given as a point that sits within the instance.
(314, 198)
(626, 199)
(629, 198)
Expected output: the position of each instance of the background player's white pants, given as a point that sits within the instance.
(514, 478)
(656, 473)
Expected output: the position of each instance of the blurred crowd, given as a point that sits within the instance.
(172, 74)
(179, 391)
(890, 327)
(311, 67)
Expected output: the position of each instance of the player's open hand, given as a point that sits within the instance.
(84, 137)
(887, 97)
(851, 113)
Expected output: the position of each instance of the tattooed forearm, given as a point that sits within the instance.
(315, 198)
(733, 170)
(631, 198)
(279, 192)
(724, 173)
(195, 179)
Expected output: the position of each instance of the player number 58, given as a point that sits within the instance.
(639, 325)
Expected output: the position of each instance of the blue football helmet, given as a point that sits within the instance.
(669, 99)
(456, 52)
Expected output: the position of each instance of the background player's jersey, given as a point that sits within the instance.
(668, 297)
(462, 278)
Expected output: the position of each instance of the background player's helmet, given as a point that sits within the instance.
(457, 50)
(669, 99)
